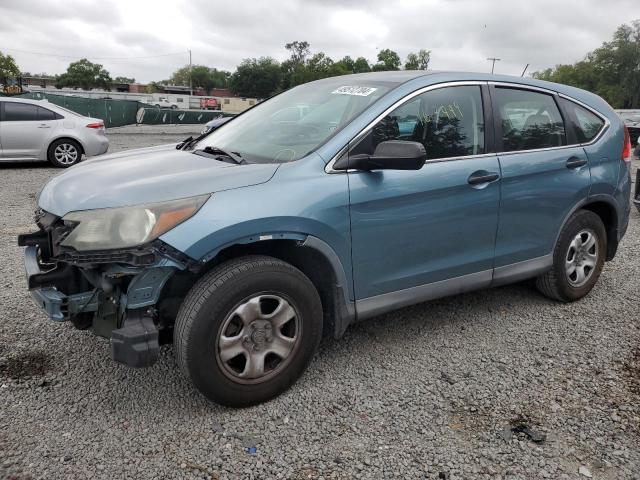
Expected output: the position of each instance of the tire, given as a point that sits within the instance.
(209, 319)
(64, 153)
(564, 284)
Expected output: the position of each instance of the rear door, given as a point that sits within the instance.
(26, 130)
(543, 175)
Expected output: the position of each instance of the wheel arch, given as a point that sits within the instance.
(309, 254)
(66, 137)
(607, 209)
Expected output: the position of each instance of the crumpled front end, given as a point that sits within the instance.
(114, 293)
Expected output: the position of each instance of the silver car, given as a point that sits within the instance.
(38, 130)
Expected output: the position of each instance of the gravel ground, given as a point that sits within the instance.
(493, 384)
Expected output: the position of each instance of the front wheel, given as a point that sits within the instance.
(247, 330)
(578, 258)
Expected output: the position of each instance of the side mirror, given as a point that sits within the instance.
(389, 155)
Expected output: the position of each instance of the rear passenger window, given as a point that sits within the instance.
(20, 112)
(529, 120)
(586, 124)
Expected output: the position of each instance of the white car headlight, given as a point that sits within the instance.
(122, 227)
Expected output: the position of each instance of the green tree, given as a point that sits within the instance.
(611, 71)
(418, 61)
(294, 69)
(124, 80)
(85, 74)
(387, 60)
(201, 77)
(256, 78)
(299, 51)
(361, 65)
(8, 67)
(346, 64)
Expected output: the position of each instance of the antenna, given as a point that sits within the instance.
(525, 70)
(493, 64)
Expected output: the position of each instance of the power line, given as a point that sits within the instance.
(95, 58)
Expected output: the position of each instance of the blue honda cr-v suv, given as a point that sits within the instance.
(246, 245)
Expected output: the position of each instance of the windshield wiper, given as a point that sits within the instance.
(189, 142)
(218, 152)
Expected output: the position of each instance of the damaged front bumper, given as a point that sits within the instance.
(115, 300)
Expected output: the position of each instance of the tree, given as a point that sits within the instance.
(419, 61)
(256, 78)
(361, 65)
(124, 80)
(611, 71)
(86, 75)
(294, 69)
(387, 60)
(201, 77)
(8, 67)
(299, 51)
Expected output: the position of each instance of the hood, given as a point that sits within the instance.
(145, 175)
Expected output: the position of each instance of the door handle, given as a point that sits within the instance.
(44, 125)
(576, 162)
(482, 176)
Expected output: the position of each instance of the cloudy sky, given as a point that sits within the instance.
(45, 35)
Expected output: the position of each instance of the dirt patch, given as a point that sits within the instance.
(28, 364)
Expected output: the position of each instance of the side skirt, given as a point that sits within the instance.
(522, 270)
(372, 306)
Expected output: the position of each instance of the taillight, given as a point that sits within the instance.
(626, 149)
(101, 125)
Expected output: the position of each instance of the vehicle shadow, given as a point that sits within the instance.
(26, 165)
(432, 324)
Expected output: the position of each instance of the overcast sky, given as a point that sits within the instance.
(460, 33)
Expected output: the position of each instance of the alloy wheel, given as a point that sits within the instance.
(66, 154)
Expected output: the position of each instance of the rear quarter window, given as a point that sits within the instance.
(586, 124)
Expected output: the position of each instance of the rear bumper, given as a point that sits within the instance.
(96, 146)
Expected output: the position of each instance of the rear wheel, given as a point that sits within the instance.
(247, 330)
(64, 153)
(578, 258)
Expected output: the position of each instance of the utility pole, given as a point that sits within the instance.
(525, 70)
(190, 81)
(494, 60)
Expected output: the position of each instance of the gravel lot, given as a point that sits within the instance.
(447, 389)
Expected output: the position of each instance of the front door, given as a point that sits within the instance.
(26, 129)
(412, 228)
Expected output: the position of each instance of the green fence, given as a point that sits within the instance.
(117, 113)
(114, 113)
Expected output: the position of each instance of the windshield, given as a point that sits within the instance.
(291, 125)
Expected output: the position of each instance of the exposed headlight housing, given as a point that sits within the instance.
(123, 227)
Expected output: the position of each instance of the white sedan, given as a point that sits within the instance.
(32, 130)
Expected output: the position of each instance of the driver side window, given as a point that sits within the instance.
(448, 122)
